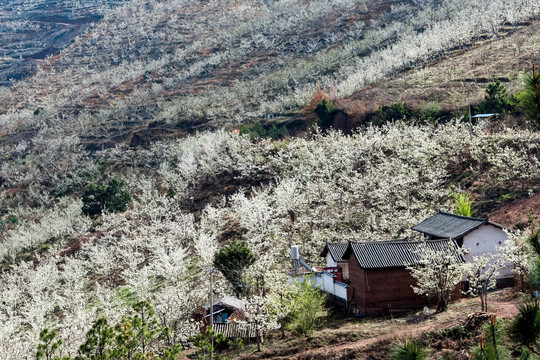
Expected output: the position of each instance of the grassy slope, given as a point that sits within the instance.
(370, 338)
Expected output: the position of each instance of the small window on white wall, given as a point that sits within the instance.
(477, 244)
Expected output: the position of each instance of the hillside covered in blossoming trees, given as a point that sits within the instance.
(62, 268)
(141, 107)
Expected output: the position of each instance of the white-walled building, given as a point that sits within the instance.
(334, 257)
(479, 236)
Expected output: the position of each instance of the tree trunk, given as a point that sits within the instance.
(482, 300)
(258, 337)
(442, 305)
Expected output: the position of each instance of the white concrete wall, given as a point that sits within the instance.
(328, 282)
(341, 291)
(486, 239)
(329, 261)
(325, 282)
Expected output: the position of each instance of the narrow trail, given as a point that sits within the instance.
(402, 332)
(503, 310)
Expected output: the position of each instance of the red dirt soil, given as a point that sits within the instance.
(515, 213)
(503, 310)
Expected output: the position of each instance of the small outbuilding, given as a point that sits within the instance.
(378, 279)
(335, 263)
(485, 120)
(228, 314)
(478, 235)
(224, 308)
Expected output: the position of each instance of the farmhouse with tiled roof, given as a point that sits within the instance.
(378, 278)
(478, 235)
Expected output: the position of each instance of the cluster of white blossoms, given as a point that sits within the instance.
(191, 195)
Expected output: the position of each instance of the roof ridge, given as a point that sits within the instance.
(379, 241)
(430, 241)
(398, 241)
(461, 216)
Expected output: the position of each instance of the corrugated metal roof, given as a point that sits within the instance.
(483, 116)
(228, 302)
(336, 250)
(445, 225)
(395, 253)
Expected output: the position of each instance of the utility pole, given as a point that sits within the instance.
(470, 123)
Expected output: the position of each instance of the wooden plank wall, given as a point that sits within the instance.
(357, 286)
(385, 290)
(235, 330)
(390, 290)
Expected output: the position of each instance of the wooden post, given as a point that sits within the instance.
(258, 335)
(535, 83)
(470, 123)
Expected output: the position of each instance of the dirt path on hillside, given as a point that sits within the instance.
(503, 310)
(398, 333)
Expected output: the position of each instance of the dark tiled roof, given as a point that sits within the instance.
(336, 250)
(445, 225)
(392, 254)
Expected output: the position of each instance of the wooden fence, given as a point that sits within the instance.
(236, 330)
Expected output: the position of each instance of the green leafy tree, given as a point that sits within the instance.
(408, 350)
(496, 100)
(206, 343)
(236, 344)
(48, 345)
(427, 111)
(135, 337)
(308, 308)
(99, 342)
(491, 345)
(462, 204)
(534, 241)
(276, 133)
(529, 98)
(525, 328)
(384, 114)
(258, 131)
(112, 197)
(232, 260)
(396, 111)
(325, 112)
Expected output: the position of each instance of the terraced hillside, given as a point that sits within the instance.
(188, 65)
(32, 30)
